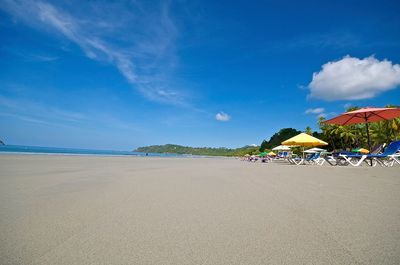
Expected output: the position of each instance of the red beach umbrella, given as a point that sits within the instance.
(365, 115)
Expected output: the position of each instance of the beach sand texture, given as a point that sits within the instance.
(136, 210)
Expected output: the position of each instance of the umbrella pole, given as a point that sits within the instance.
(368, 136)
(369, 140)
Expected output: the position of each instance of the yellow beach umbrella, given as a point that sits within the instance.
(304, 139)
(271, 153)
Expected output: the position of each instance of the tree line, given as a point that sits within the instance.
(342, 137)
(205, 151)
(355, 135)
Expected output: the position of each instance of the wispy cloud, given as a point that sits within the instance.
(34, 112)
(319, 112)
(138, 40)
(315, 111)
(347, 105)
(26, 118)
(31, 56)
(43, 58)
(337, 40)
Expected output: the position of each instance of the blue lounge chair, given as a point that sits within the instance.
(387, 158)
(338, 158)
(314, 158)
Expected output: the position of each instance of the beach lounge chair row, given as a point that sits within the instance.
(313, 159)
(389, 157)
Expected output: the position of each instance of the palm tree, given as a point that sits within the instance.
(348, 134)
(379, 132)
(308, 130)
(352, 108)
(355, 135)
(359, 134)
(326, 131)
(336, 132)
(392, 127)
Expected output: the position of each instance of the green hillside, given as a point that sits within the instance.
(208, 151)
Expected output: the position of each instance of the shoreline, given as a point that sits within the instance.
(178, 156)
(38, 150)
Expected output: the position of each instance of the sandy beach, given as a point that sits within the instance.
(132, 210)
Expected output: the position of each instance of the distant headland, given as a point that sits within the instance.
(207, 151)
(2, 143)
(275, 140)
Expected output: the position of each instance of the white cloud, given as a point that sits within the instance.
(319, 112)
(326, 115)
(138, 40)
(314, 111)
(222, 116)
(352, 78)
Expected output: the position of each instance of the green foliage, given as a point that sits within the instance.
(353, 136)
(278, 138)
(208, 151)
(308, 130)
(263, 146)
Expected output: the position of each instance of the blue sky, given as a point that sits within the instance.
(118, 75)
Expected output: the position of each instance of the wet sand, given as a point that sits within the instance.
(130, 210)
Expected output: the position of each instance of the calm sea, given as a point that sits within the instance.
(22, 149)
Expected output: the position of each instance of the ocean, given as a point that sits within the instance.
(22, 149)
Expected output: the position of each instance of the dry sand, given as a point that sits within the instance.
(129, 210)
